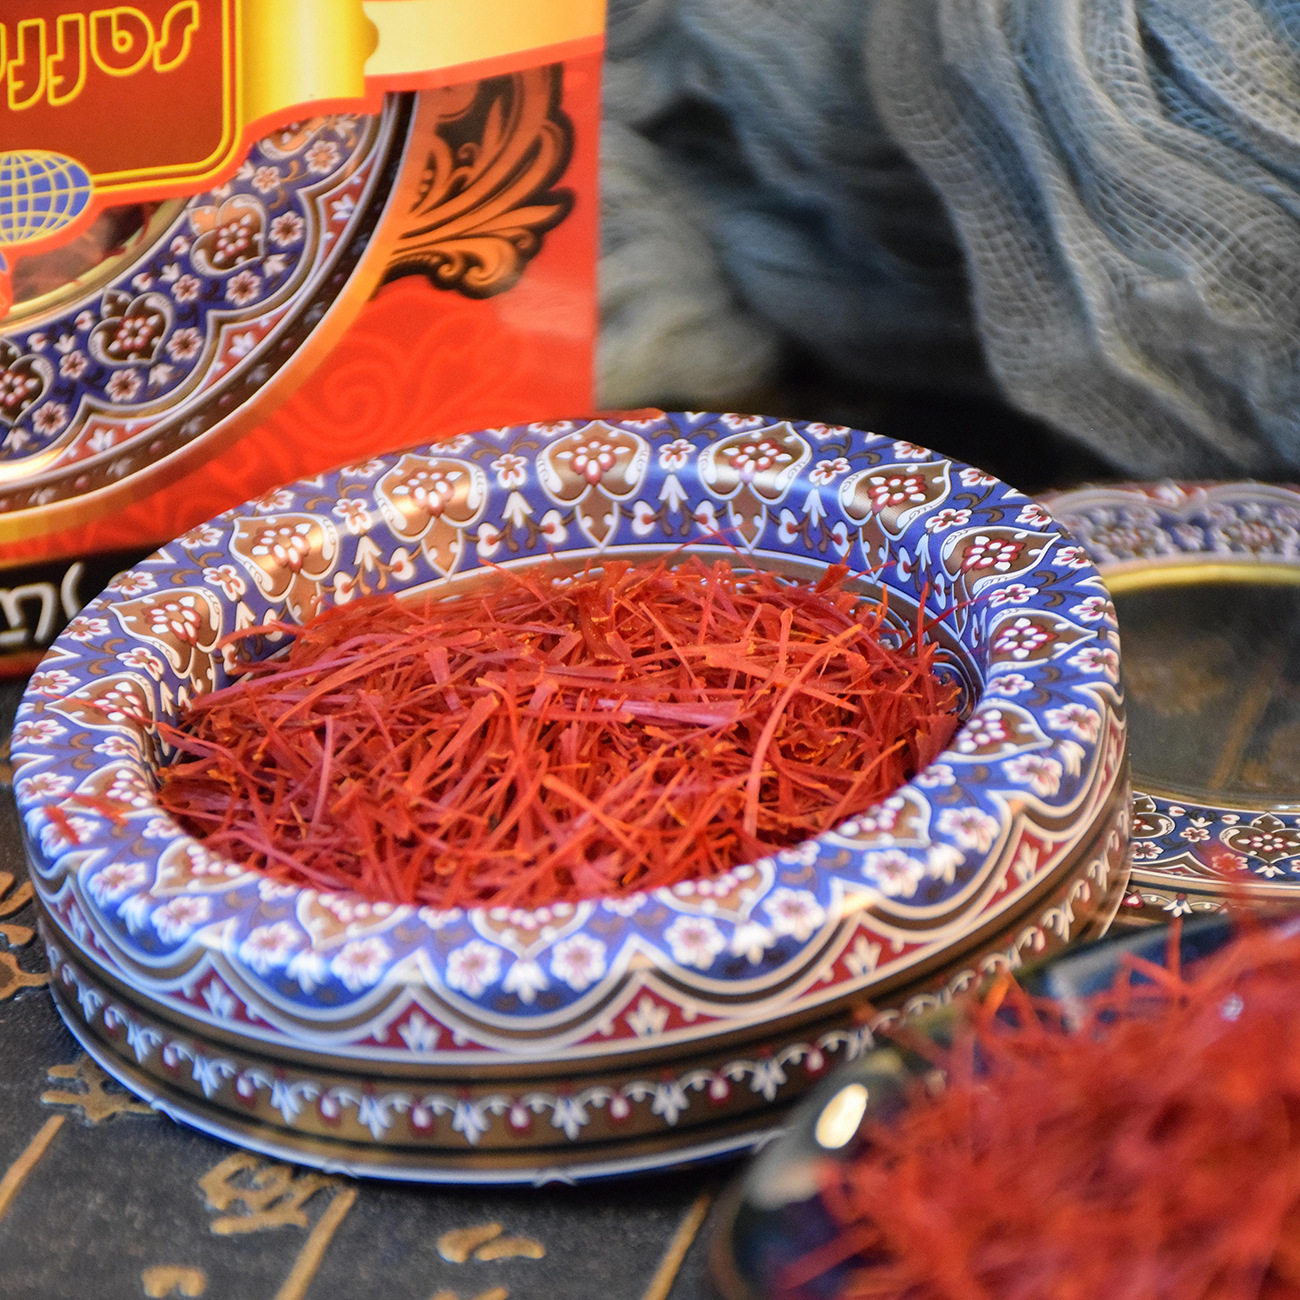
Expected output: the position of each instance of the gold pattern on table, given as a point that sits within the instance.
(495, 1293)
(485, 1242)
(11, 901)
(91, 1091)
(164, 1280)
(263, 1196)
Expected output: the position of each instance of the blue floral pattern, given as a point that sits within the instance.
(1011, 842)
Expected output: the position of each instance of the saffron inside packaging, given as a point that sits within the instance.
(244, 241)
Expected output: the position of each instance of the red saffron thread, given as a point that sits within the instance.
(1143, 1146)
(550, 738)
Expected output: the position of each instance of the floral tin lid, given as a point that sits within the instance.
(1206, 582)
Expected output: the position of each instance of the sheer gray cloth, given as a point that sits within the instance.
(1097, 200)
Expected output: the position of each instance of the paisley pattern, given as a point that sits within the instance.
(1189, 856)
(1011, 842)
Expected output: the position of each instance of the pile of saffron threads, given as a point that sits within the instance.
(550, 737)
(1149, 1152)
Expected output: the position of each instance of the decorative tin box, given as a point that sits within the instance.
(614, 1035)
(1207, 581)
(245, 240)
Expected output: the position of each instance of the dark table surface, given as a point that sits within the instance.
(103, 1199)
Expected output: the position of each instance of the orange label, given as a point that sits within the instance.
(103, 103)
(135, 93)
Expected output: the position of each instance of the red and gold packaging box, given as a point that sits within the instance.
(244, 241)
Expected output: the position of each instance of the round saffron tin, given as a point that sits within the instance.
(613, 1035)
(1207, 581)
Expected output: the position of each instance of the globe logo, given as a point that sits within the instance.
(41, 193)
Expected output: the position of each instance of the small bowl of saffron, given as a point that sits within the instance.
(1119, 1121)
(546, 802)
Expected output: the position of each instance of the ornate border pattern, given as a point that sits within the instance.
(110, 384)
(1187, 856)
(887, 905)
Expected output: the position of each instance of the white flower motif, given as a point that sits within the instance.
(822, 432)
(1034, 515)
(361, 963)
(1078, 718)
(895, 873)
(695, 941)
(49, 418)
(51, 681)
(176, 919)
(675, 454)
(794, 911)
(354, 514)
(972, 828)
(242, 344)
(1096, 659)
(266, 179)
(322, 157)
(133, 582)
(1019, 638)
(228, 578)
(1040, 773)
(86, 628)
(1009, 684)
(935, 776)
(116, 881)
(118, 747)
(827, 471)
(243, 288)
(286, 229)
(985, 728)
(579, 961)
(1194, 834)
(186, 288)
(1014, 593)
(123, 385)
(44, 785)
(37, 731)
(185, 344)
(910, 451)
(72, 365)
(946, 518)
(1074, 557)
(269, 946)
(551, 428)
(734, 421)
(474, 967)
(892, 491)
(1094, 609)
(976, 477)
(141, 657)
(511, 470)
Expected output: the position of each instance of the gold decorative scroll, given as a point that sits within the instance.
(487, 193)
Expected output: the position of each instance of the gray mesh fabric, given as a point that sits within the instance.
(1121, 177)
